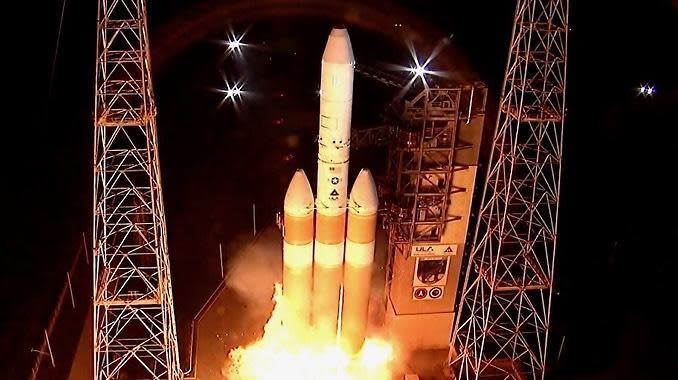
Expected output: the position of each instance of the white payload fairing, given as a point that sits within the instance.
(323, 260)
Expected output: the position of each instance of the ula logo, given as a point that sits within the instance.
(423, 249)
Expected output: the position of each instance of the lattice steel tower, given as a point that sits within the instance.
(502, 326)
(134, 327)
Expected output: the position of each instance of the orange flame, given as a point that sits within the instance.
(283, 353)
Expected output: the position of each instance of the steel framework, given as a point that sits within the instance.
(371, 137)
(134, 327)
(422, 162)
(501, 328)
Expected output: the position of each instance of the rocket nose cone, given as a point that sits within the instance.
(364, 199)
(299, 196)
(338, 48)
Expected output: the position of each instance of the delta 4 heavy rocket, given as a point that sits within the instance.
(314, 270)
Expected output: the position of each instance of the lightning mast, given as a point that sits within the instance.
(134, 327)
(501, 328)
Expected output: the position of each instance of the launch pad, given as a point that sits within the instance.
(426, 194)
(330, 244)
(349, 281)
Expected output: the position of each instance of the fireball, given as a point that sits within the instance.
(286, 353)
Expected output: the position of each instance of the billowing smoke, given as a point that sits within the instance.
(253, 271)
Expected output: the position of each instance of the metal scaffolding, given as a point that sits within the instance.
(501, 328)
(134, 326)
(422, 162)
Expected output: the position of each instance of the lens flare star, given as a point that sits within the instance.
(646, 90)
(419, 70)
(232, 93)
(234, 42)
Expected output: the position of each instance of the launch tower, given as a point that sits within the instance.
(134, 327)
(502, 326)
(432, 165)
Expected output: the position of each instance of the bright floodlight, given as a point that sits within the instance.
(646, 90)
(420, 71)
(234, 45)
(234, 41)
(232, 93)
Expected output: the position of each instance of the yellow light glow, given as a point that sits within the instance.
(286, 353)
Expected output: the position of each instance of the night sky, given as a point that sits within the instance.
(616, 259)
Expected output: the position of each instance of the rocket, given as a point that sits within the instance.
(336, 99)
(360, 239)
(314, 269)
(298, 250)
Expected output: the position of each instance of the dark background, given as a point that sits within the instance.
(616, 257)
